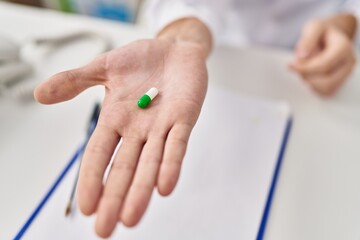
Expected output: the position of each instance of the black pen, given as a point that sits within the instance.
(90, 129)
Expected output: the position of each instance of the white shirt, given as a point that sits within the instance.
(258, 22)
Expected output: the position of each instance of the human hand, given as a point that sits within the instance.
(154, 139)
(324, 54)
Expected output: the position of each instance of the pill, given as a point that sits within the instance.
(147, 97)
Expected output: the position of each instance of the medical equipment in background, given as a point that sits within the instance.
(120, 10)
(16, 65)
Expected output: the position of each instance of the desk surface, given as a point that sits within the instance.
(317, 195)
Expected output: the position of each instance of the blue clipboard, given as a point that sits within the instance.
(76, 156)
(271, 194)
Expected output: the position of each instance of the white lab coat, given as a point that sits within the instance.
(258, 22)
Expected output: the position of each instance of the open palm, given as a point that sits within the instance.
(154, 139)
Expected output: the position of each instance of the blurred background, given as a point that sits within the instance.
(119, 10)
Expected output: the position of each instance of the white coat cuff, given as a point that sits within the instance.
(173, 11)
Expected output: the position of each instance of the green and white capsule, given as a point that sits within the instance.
(146, 99)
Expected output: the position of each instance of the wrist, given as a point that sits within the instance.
(188, 31)
(194, 48)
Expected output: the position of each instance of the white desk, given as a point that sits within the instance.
(318, 192)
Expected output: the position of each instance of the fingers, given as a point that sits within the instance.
(328, 84)
(126, 196)
(144, 181)
(310, 40)
(96, 158)
(337, 48)
(117, 185)
(174, 153)
(66, 85)
(327, 68)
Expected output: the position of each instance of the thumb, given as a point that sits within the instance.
(67, 85)
(311, 39)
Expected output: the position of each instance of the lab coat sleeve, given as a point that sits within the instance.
(353, 6)
(162, 12)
